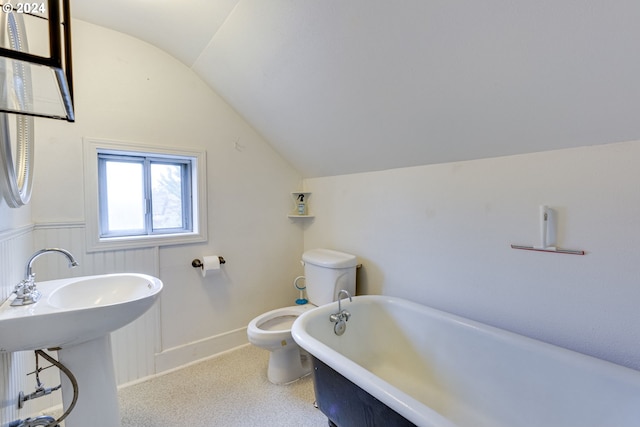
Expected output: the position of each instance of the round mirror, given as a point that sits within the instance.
(16, 139)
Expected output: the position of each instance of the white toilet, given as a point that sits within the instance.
(326, 273)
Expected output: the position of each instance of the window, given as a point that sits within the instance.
(143, 195)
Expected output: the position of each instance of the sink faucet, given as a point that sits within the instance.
(26, 292)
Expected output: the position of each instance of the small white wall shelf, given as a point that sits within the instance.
(547, 234)
(300, 205)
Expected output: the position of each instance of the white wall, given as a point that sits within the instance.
(441, 235)
(128, 90)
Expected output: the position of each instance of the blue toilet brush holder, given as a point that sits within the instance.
(302, 300)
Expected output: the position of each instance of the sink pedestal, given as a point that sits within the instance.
(92, 365)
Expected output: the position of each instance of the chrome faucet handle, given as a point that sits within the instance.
(26, 293)
(20, 288)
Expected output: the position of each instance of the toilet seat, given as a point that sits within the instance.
(326, 273)
(273, 328)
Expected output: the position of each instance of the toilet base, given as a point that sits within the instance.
(288, 364)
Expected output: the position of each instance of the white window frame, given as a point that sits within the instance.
(92, 209)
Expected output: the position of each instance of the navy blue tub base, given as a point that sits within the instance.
(347, 405)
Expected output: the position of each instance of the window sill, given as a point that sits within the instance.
(137, 242)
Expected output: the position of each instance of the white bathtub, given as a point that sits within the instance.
(436, 369)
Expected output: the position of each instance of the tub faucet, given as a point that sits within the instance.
(26, 290)
(342, 316)
(339, 301)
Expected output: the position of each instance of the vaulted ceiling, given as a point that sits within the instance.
(344, 86)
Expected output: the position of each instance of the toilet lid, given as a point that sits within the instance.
(280, 323)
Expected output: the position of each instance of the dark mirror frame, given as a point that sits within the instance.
(59, 61)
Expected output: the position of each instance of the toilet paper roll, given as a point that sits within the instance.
(210, 263)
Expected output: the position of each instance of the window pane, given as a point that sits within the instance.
(125, 196)
(166, 196)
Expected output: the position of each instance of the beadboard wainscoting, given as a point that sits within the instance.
(15, 247)
(135, 345)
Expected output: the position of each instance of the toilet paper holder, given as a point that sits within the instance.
(196, 263)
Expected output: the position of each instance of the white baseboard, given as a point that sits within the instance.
(178, 357)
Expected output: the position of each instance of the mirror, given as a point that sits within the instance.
(16, 140)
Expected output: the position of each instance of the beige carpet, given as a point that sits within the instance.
(230, 390)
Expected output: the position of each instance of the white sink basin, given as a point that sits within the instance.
(102, 291)
(76, 310)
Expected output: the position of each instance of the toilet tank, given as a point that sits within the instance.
(326, 273)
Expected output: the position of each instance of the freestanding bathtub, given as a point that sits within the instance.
(403, 364)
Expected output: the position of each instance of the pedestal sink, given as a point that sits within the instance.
(76, 316)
